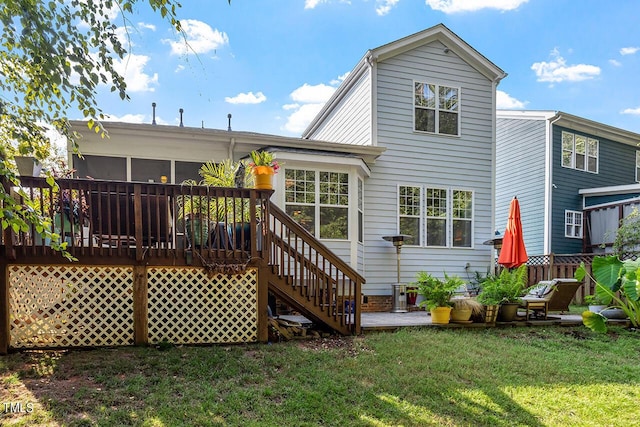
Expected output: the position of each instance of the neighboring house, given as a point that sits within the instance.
(560, 167)
(405, 145)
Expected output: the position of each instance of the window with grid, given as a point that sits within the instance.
(573, 224)
(579, 152)
(319, 201)
(409, 209)
(462, 218)
(436, 205)
(334, 205)
(436, 108)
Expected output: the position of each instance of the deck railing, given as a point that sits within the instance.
(311, 277)
(119, 221)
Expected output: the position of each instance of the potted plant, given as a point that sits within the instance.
(463, 308)
(595, 304)
(617, 284)
(505, 290)
(263, 166)
(436, 294)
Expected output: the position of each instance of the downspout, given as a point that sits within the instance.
(232, 145)
(494, 143)
(548, 183)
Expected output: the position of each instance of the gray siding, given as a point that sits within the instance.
(350, 121)
(416, 158)
(616, 166)
(520, 171)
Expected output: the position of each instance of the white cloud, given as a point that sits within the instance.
(557, 70)
(311, 4)
(180, 68)
(300, 119)
(615, 63)
(146, 26)
(131, 67)
(200, 38)
(307, 94)
(384, 6)
(629, 50)
(504, 101)
(308, 101)
(246, 98)
(340, 79)
(632, 111)
(127, 118)
(453, 6)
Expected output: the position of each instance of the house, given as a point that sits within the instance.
(406, 145)
(575, 178)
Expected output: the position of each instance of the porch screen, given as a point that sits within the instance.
(101, 167)
(603, 228)
(148, 170)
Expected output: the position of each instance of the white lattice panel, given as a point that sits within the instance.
(189, 306)
(70, 306)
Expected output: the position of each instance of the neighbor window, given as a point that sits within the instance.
(319, 201)
(579, 152)
(436, 108)
(573, 224)
(448, 216)
(637, 166)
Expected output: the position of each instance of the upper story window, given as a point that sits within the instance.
(447, 216)
(573, 224)
(637, 166)
(319, 201)
(579, 152)
(436, 108)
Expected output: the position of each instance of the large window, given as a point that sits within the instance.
(579, 152)
(573, 224)
(319, 201)
(436, 108)
(447, 216)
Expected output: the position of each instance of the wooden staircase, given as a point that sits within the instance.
(308, 276)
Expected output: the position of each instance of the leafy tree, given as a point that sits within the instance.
(53, 56)
(628, 235)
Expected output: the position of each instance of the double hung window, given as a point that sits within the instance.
(436, 108)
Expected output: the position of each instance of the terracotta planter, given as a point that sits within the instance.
(263, 177)
(440, 315)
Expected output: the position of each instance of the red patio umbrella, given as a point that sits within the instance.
(513, 253)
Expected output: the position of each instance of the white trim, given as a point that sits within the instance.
(573, 224)
(574, 152)
(421, 215)
(548, 182)
(609, 191)
(630, 201)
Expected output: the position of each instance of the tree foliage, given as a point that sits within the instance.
(53, 56)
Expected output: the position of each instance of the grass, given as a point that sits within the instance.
(554, 376)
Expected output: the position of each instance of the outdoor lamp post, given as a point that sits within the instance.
(399, 290)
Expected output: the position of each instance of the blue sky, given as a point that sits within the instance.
(273, 64)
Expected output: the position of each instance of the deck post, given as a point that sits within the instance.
(262, 301)
(140, 305)
(137, 218)
(5, 322)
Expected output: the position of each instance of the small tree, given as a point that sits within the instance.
(628, 236)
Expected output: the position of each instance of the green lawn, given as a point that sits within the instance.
(416, 377)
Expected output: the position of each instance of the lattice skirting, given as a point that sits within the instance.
(86, 306)
(188, 306)
(70, 306)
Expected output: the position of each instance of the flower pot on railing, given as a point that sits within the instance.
(28, 165)
(263, 177)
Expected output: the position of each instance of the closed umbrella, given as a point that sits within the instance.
(513, 253)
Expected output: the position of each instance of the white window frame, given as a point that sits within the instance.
(317, 205)
(572, 163)
(418, 238)
(437, 108)
(448, 218)
(637, 166)
(360, 209)
(573, 224)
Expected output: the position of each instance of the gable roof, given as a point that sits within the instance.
(436, 33)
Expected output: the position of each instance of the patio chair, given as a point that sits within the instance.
(550, 295)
